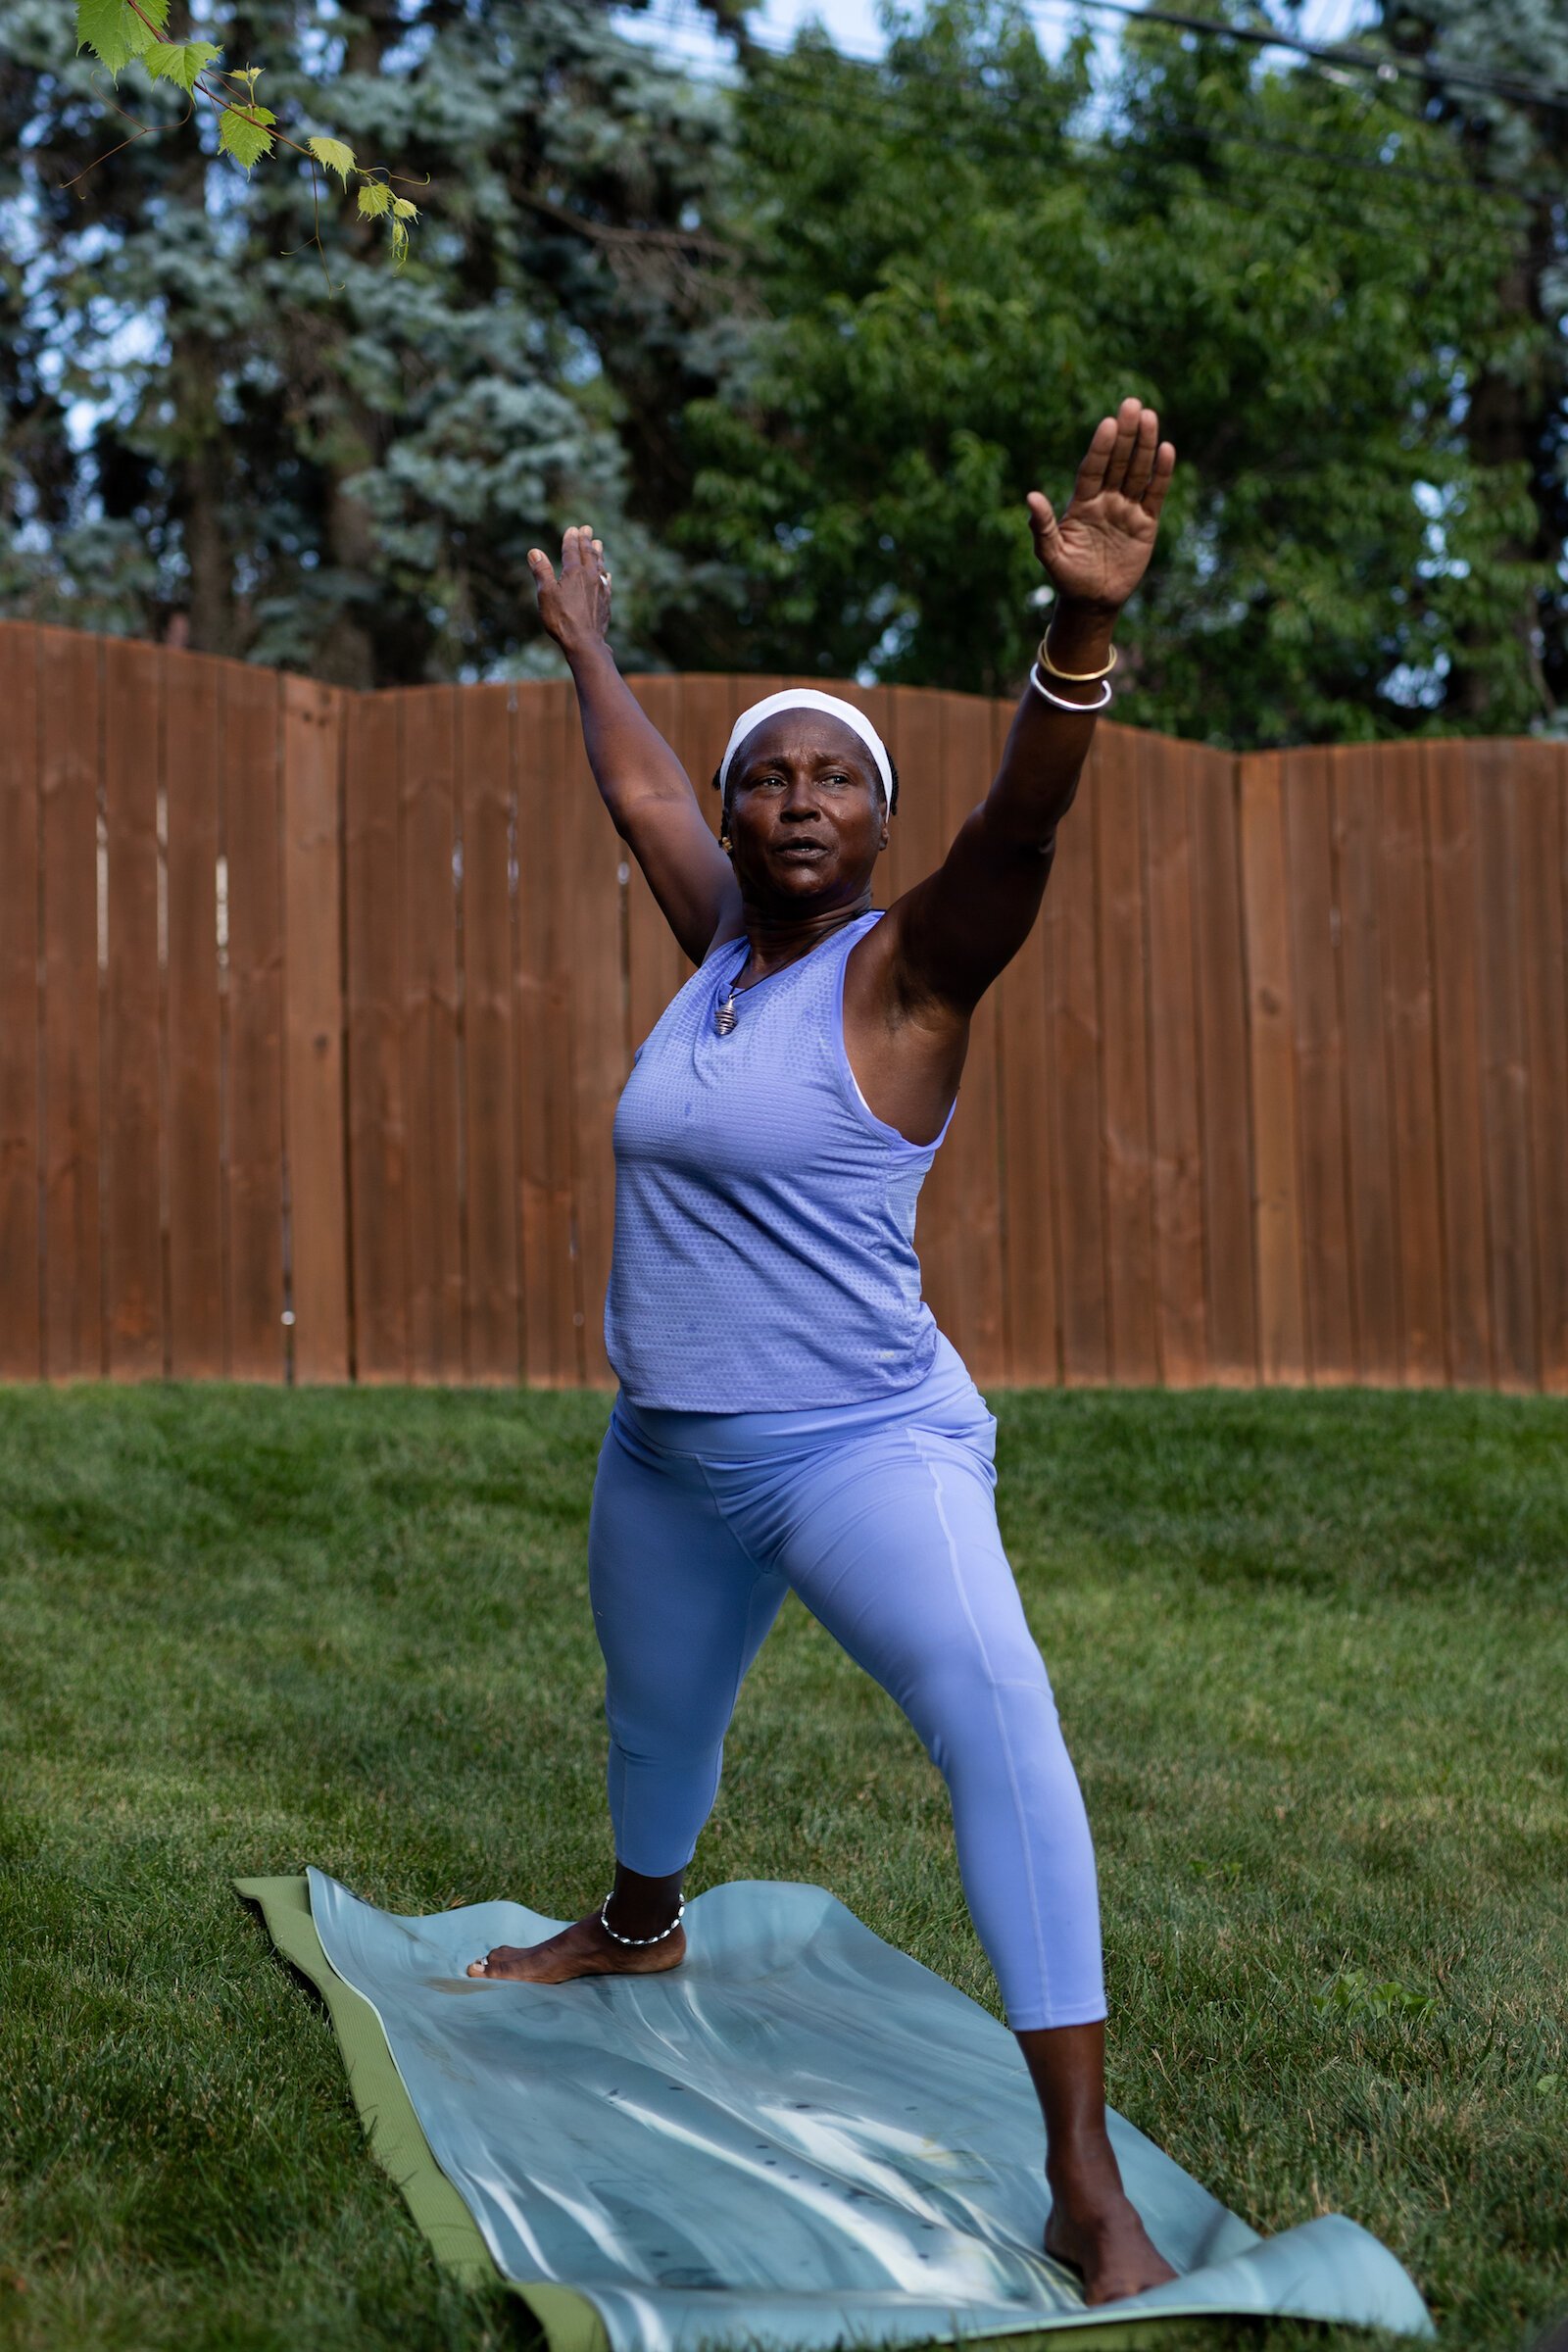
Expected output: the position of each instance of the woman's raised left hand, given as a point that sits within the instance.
(1100, 550)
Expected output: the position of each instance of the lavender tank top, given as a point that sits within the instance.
(764, 1216)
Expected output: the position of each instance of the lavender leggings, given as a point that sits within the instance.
(881, 1517)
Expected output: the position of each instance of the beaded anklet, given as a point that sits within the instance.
(640, 1940)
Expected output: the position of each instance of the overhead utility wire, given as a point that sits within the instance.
(1384, 69)
(855, 107)
(1335, 53)
(1337, 158)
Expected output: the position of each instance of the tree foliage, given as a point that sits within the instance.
(970, 255)
(797, 351)
(201, 434)
(1498, 79)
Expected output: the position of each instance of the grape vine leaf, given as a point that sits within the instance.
(114, 32)
(242, 135)
(118, 30)
(334, 156)
(183, 62)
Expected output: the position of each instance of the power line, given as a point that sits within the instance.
(890, 102)
(1222, 135)
(1334, 53)
(1384, 66)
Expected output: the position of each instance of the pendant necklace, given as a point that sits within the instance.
(724, 1015)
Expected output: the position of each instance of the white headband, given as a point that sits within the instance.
(807, 698)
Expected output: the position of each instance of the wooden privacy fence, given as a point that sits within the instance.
(315, 1008)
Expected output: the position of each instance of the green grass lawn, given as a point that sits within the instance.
(1310, 1653)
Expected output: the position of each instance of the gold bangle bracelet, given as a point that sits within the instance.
(1075, 677)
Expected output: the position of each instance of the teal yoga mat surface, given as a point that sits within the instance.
(800, 2138)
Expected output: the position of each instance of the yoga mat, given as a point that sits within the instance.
(799, 2138)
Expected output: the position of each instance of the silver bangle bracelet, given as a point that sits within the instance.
(640, 1940)
(1084, 709)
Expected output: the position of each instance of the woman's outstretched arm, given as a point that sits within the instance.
(960, 928)
(643, 785)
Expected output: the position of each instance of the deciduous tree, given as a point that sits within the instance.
(971, 254)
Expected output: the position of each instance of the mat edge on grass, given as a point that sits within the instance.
(392, 2127)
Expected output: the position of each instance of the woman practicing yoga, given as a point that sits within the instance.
(789, 1415)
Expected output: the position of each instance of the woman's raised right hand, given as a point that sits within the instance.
(575, 607)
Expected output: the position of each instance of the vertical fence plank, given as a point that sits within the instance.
(1543, 871)
(877, 703)
(133, 1242)
(1374, 1241)
(21, 1328)
(551, 1291)
(706, 710)
(427, 817)
(891, 711)
(1116, 813)
(1032, 1351)
(1408, 1028)
(1078, 1125)
(192, 1017)
(1177, 1134)
(1217, 949)
(1271, 1040)
(1450, 857)
(487, 787)
(1542, 789)
(312, 893)
(70, 755)
(1312, 944)
(377, 1127)
(918, 736)
(252, 821)
(1505, 1065)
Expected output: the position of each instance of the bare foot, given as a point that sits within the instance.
(585, 1949)
(1099, 2235)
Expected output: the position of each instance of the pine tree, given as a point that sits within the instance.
(210, 429)
(970, 252)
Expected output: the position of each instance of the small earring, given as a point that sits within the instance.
(724, 843)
